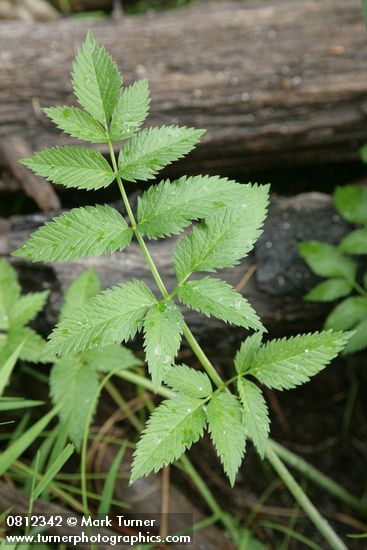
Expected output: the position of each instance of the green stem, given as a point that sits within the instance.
(120, 401)
(316, 476)
(293, 487)
(203, 359)
(208, 497)
(210, 370)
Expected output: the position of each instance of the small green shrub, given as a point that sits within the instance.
(231, 216)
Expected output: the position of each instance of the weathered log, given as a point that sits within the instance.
(275, 290)
(28, 10)
(82, 5)
(275, 83)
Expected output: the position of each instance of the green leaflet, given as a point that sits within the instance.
(169, 207)
(72, 166)
(287, 363)
(33, 349)
(27, 307)
(85, 286)
(227, 431)
(326, 260)
(247, 353)
(82, 232)
(347, 314)
(350, 314)
(163, 326)
(224, 238)
(109, 318)
(6, 368)
(153, 149)
(351, 202)
(131, 111)
(215, 297)
(358, 339)
(9, 292)
(111, 358)
(171, 429)
(96, 80)
(77, 123)
(73, 383)
(255, 414)
(329, 290)
(188, 381)
(355, 242)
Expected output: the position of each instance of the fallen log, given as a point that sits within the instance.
(275, 289)
(275, 83)
(28, 10)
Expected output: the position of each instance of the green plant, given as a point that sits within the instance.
(230, 218)
(76, 375)
(336, 263)
(16, 311)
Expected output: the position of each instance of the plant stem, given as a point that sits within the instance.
(120, 401)
(206, 364)
(293, 487)
(208, 497)
(194, 344)
(316, 476)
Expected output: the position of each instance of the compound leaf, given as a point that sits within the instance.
(27, 307)
(227, 431)
(287, 363)
(72, 166)
(215, 297)
(169, 207)
(74, 384)
(96, 80)
(77, 123)
(153, 149)
(171, 429)
(224, 238)
(163, 327)
(190, 382)
(110, 317)
(329, 290)
(255, 414)
(131, 111)
(326, 260)
(82, 232)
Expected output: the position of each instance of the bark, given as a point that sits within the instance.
(275, 289)
(275, 83)
(28, 10)
(86, 5)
